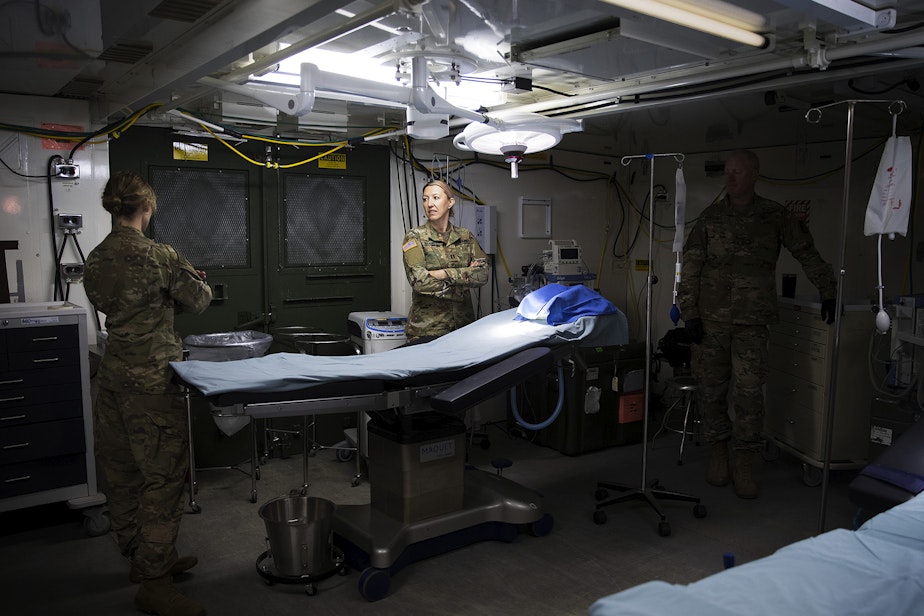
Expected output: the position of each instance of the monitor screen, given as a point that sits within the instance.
(571, 254)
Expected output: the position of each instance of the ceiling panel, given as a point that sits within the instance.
(585, 58)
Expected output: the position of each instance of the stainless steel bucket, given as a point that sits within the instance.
(326, 344)
(300, 534)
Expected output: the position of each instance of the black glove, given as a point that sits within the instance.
(828, 309)
(694, 329)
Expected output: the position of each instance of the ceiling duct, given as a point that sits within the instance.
(187, 11)
(126, 52)
(80, 87)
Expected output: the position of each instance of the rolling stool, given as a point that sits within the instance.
(691, 421)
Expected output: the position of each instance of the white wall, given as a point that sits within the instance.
(24, 214)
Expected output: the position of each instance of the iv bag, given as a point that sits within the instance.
(680, 207)
(890, 200)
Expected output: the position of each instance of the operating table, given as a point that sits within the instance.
(449, 374)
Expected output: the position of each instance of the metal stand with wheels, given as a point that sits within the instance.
(267, 571)
(645, 492)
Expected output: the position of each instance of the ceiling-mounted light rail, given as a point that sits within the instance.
(427, 112)
(711, 16)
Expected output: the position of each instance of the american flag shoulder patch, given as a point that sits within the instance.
(408, 245)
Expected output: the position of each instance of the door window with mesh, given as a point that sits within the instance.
(203, 214)
(325, 221)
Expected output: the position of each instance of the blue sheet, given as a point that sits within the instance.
(873, 570)
(487, 340)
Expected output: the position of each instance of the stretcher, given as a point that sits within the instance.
(449, 374)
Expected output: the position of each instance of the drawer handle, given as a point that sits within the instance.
(17, 445)
(23, 478)
(13, 399)
(13, 382)
(46, 339)
(12, 417)
(45, 361)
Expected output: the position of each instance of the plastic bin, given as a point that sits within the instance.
(225, 346)
(300, 534)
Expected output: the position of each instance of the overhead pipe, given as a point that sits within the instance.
(732, 69)
(779, 82)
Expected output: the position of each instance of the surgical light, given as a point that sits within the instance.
(714, 17)
(514, 136)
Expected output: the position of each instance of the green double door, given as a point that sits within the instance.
(300, 246)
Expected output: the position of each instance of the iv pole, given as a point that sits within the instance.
(813, 116)
(644, 492)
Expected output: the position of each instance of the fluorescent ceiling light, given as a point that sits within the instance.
(711, 16)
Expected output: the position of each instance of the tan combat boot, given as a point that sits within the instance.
(717, 473)
(183, 563)
(161, 597)
(745, 485)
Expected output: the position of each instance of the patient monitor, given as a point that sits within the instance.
(563, 262)
(563, 259)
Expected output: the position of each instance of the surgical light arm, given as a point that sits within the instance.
(316, 83)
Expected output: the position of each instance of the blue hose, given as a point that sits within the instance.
(555, 413)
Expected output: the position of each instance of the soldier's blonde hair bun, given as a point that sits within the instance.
(126, 192)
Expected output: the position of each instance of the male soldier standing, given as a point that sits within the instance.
(140, 425)
(443, 263)
(727, 296)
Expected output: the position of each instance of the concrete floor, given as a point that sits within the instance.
(50, 565)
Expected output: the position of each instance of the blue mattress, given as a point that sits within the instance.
(874, 570)
(487, 340)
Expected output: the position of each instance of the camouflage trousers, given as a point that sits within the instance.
(731, 359)
(142, 451)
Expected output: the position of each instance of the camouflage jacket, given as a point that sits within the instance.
(729, 262)
(139, 284)
(440, 306)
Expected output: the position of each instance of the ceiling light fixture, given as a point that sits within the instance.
(427, 112)
(711, 16)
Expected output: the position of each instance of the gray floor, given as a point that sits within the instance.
(50, 565)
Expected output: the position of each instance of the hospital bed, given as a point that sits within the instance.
(449, 374)
(873, 570)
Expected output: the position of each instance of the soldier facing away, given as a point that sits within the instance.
(140, 423)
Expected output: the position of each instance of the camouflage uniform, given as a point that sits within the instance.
(441, 306)
(140, 427)
(729, 281)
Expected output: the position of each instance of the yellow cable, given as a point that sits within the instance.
(312, 159)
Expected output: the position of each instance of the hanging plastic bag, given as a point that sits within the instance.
(680, 208)
(889, 204)
(890, 200)
(680, 215)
